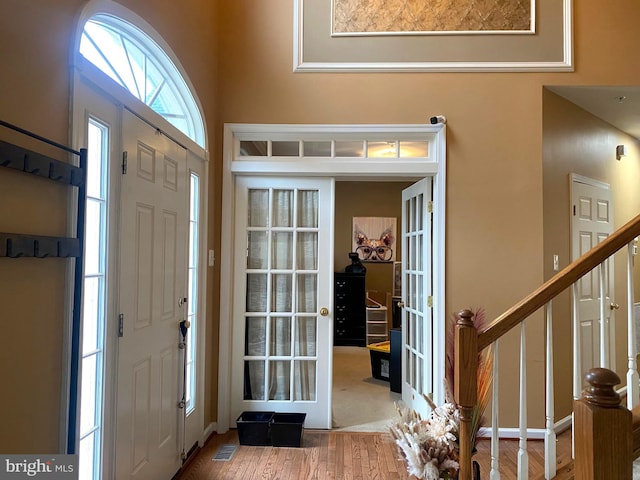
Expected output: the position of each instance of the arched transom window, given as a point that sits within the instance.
(137, 63)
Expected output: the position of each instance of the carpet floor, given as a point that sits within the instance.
(361, 403)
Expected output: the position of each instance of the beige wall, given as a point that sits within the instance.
(367, 199)
(494, 220)
(35, 39)
(494, 136)
(577, 142)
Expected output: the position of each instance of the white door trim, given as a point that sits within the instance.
(93, 94)
(399, 168)
(576, 177)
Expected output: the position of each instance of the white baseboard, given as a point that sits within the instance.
(504, 433)
(564, 424)
(532, 433)
(208, 431)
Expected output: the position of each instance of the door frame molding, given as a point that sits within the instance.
(352, 168)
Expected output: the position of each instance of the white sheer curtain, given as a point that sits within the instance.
(280, 335)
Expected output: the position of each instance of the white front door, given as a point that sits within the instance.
(418, 357)
(282, 323)
(153, 237)
(592, 222)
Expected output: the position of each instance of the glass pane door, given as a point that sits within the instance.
(417, 327)
(283, 328)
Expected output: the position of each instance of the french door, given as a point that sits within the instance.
(282, 323)
(153, 266)
(419, 349)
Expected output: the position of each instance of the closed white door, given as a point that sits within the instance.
(282, 322)
(417, 319)
(153, 238)
(592, 222)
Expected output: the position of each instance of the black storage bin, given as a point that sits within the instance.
(379, 353)
(287, 429)
(253, 428)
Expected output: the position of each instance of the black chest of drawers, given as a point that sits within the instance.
(349, 309)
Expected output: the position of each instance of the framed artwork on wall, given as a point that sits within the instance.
(374, 238)
(357, 17)
(449, 35)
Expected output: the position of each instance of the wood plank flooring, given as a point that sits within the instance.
(335, 455)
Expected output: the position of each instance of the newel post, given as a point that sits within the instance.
(465, 384)
(602, 430)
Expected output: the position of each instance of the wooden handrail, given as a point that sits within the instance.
(558, 283)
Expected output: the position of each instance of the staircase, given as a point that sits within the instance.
(606, 434)
(635, 432)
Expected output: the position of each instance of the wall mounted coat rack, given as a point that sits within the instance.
(17, 245)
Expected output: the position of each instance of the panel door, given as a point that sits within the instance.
(152, 300)
(282, 323)
(592, 222)
(417, 318)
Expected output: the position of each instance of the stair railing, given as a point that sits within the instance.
(469, 341)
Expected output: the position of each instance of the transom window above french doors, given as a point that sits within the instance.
(375, 148)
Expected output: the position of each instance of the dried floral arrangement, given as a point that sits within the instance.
(431, 446)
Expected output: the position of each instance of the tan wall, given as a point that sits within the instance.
(577, 142)
(367, 199)
(494, 135)
(35, 39)
(494, 145)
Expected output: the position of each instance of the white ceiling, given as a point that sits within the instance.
(619, 106)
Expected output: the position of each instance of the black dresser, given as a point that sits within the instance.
(350, 309)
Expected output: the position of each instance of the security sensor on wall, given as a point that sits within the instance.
(621, 151)
(438, 119)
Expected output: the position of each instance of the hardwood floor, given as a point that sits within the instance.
(351, 455)
(324, 455)
(509, 458)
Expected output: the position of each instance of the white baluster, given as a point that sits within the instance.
(495, 437)
(604, 338)
(577, 358)
(523, 455)
(550, 431)
(633, 390)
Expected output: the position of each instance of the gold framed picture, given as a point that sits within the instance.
(445, 35)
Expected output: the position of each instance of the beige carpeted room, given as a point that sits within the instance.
(361, 403)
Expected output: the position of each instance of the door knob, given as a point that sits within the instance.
(400, 304)
(614, 306)
(324, 311)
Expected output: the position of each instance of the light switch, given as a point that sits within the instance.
(556, 266)
(212, 258)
